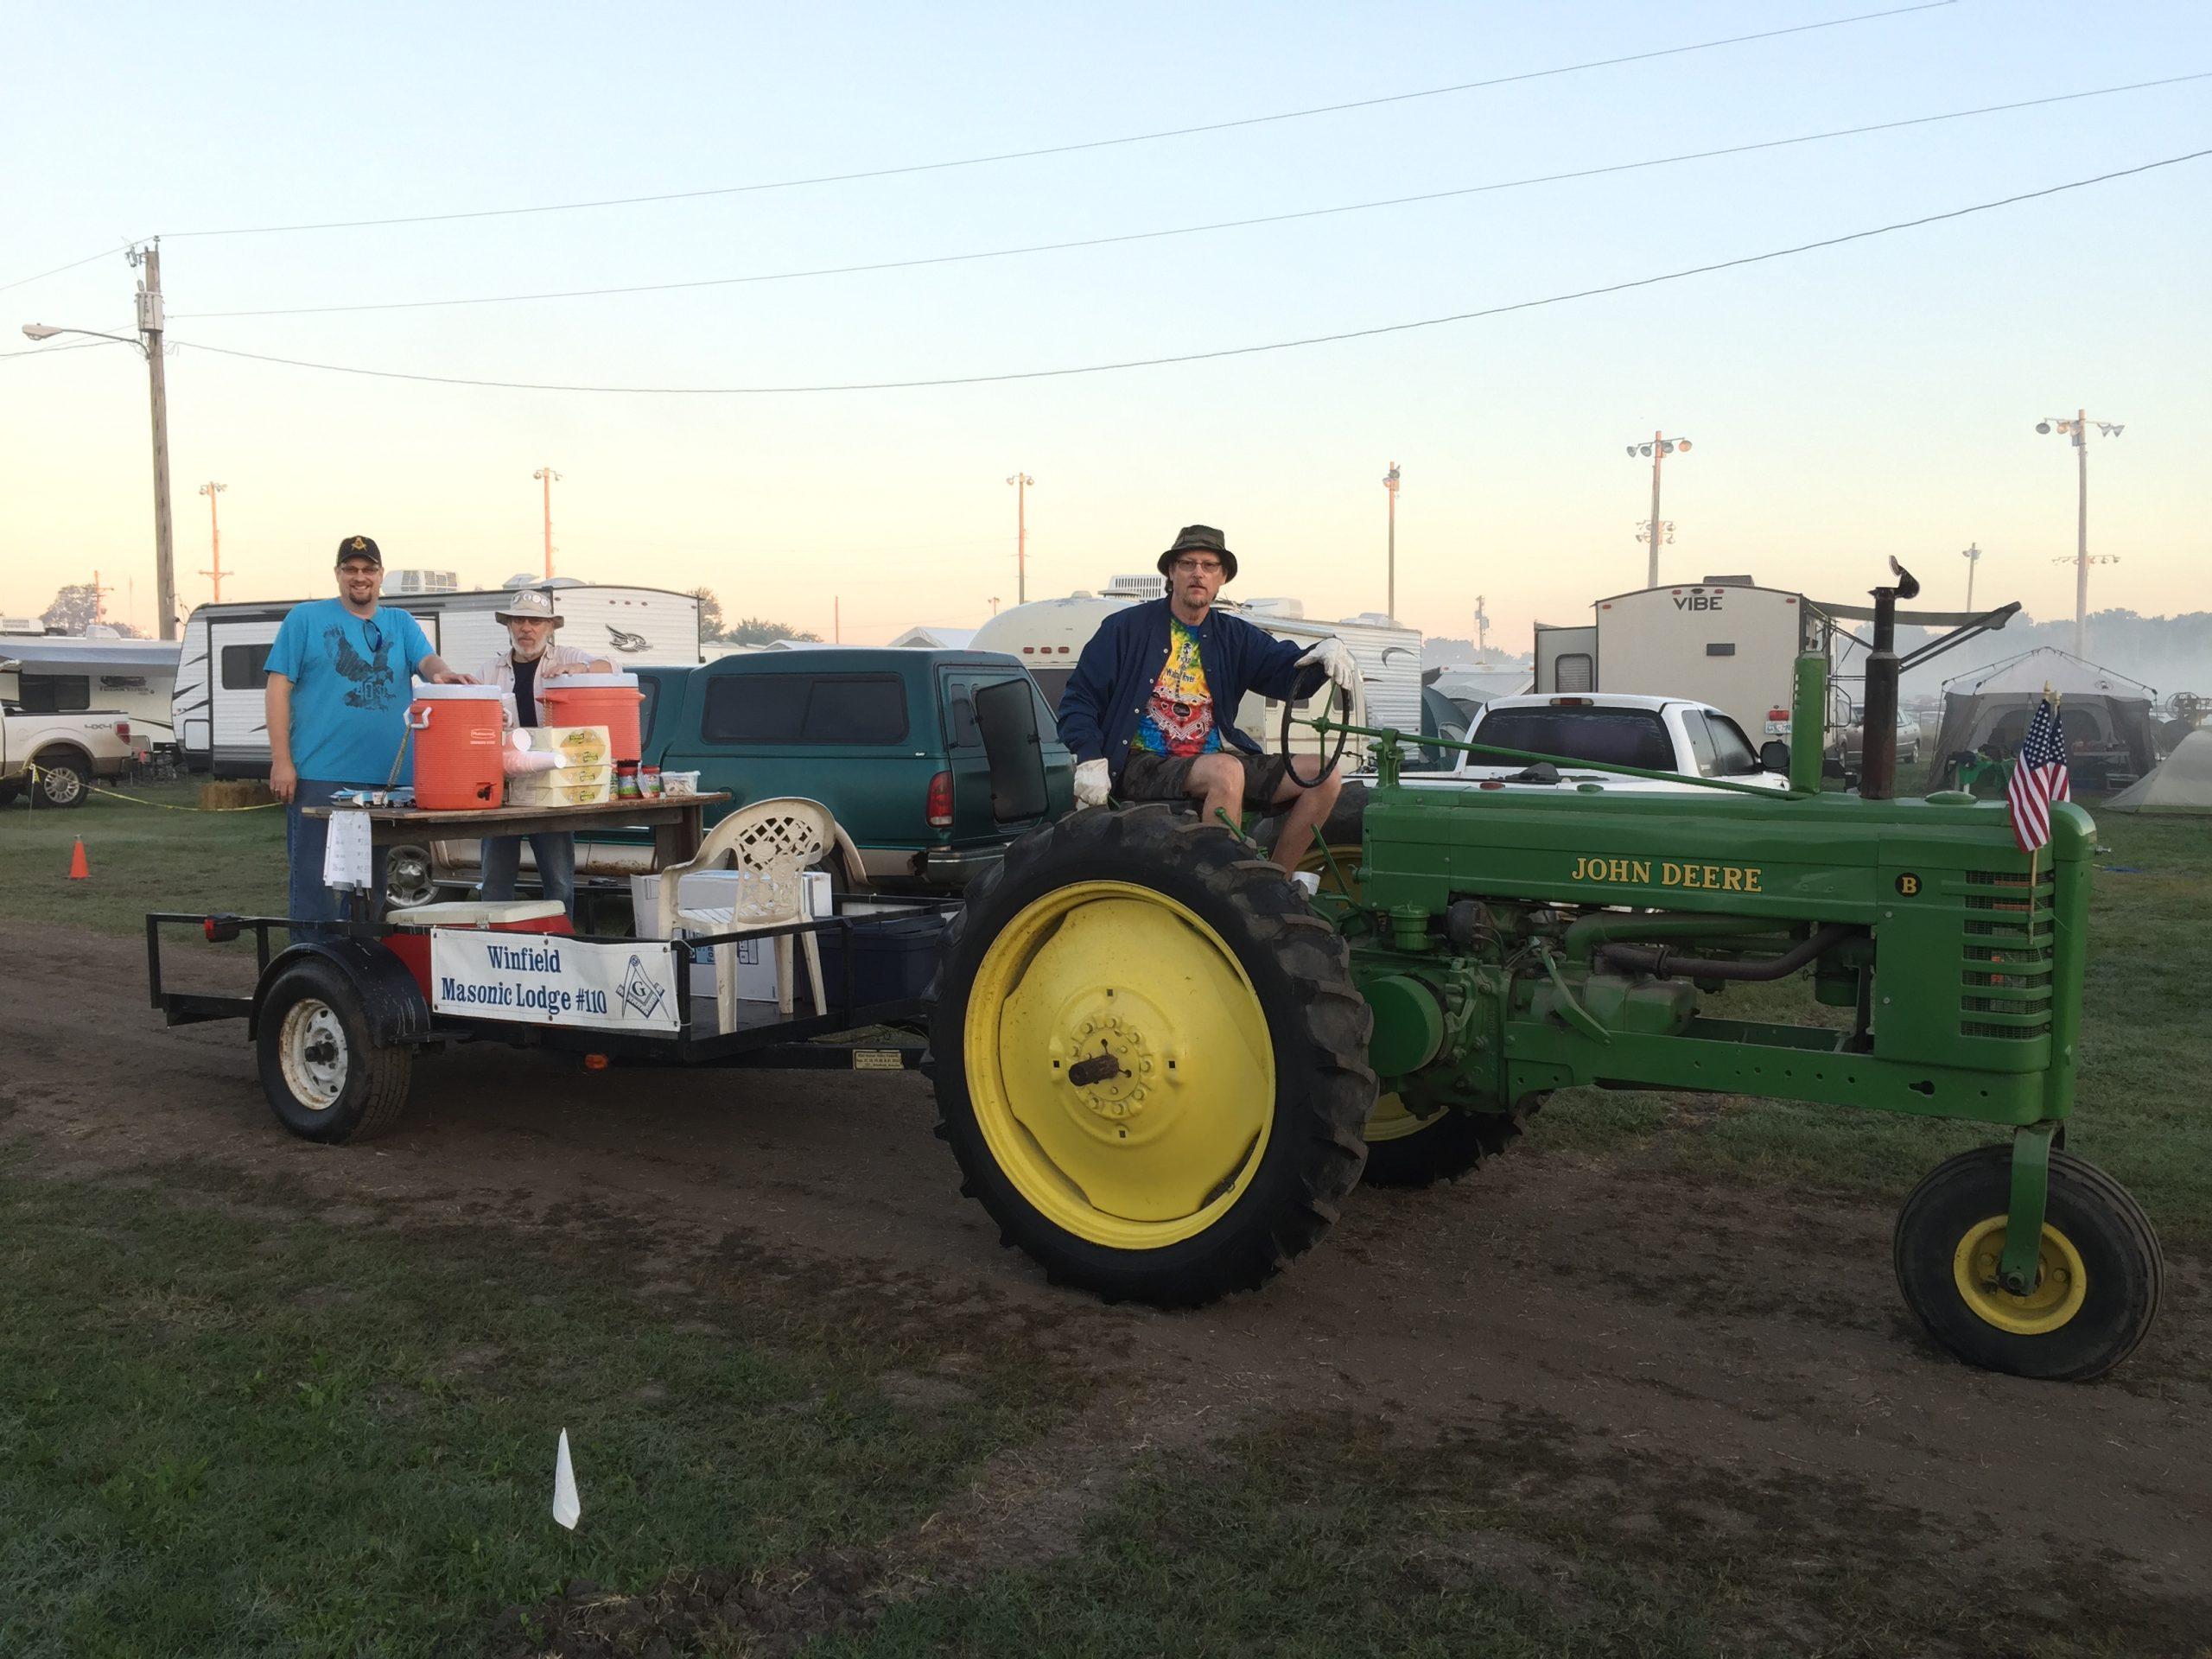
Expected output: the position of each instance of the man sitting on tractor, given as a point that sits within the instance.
(1150, 709)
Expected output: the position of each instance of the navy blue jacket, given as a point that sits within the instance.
(1103, 704)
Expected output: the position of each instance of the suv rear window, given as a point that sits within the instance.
(861, 710)
(1622, 737)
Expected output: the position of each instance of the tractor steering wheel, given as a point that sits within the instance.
(1328, 764)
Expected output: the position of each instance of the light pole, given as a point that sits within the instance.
(2078, 428)
(1390, 579)
(148, 342)
(1972, 555)
(1020, 481)
(211, 490)
(1656, 529)
(548, 476)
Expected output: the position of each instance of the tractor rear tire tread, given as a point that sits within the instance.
(1449, 1146)
(1301, 971)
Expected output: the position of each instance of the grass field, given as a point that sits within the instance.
(232, 1423)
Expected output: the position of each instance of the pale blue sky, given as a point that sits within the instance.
(1848, 404)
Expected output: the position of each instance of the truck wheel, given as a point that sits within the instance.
(1149, 1058)
(63, 780)
(1403, 1150)
(2098, 1282)
(324, 1078)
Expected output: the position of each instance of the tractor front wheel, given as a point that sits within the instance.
(1149, 1058)
(2099, 1276)
(1403, 1150)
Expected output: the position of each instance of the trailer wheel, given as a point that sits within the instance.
(326, 1079)
(1149, 1058)
(1403, 1150)
(2099, 1278)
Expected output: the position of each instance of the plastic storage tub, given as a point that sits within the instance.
(894, 956)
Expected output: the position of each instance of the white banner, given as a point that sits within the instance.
(547, 979)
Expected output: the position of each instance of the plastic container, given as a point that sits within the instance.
(608, 700)
(679, 783)
(894, 957)
(411, 939)
(459, 732)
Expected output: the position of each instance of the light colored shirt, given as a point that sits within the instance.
(499, 671)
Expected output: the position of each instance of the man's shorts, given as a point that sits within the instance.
(1167, 777)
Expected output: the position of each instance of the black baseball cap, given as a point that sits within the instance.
(359, 547)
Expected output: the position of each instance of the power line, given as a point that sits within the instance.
(1194, 229)
(1226, 351)
(1071, 149)
(104, 253)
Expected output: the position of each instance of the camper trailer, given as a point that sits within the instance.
(1725, 640)
(65, 674)
(1047, 635)
(217, 710)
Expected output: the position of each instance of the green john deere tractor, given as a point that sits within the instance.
(1161, 1066)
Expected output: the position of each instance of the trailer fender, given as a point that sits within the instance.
(392, 1002)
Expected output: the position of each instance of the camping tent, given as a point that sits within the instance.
(2106, 715)
(2182, 782)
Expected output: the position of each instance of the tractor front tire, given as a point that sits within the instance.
(1149, 1059)
(2098, 1276)
(1405, 1150)
(326, 1078)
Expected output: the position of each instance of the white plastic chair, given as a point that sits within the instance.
(774, 841)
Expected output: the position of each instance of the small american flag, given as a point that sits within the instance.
(2040, 778)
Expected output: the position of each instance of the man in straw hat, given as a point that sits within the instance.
(530, 661)
(335, 704)
(1150, 711)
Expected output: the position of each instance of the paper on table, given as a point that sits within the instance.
(566, 1509)
(345, 857)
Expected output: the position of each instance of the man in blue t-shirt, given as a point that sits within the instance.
(337, 706)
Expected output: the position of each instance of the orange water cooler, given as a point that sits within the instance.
(608, 700)
(458, 738)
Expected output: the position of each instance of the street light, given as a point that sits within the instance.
(1020, 483)
(2078, 430)
(149, 343)
(1655, 529)
(1390, 577)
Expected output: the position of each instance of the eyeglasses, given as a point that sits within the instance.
(1203, 567)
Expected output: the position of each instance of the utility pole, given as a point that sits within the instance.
(1391, 578)
(1482, 626)
(548, 476)
(1657, 529)
(836, 619)
(149, 329)
(211, 490)
(2078, 428)
(1973, 556)
(99, 608)
(1021, 481)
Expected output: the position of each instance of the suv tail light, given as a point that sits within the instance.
(940, 806)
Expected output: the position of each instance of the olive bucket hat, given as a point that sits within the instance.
(1200, 538)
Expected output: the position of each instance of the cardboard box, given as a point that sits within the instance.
(562, 786)
(577, 746)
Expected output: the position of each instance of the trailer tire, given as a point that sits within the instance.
(1405, 1151)
(327, 1077)
(2100, 1280)
(1218, 1128)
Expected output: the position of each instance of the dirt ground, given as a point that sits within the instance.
(1716, 1347)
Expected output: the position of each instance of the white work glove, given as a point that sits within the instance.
(1335, 661)
(1092, 780)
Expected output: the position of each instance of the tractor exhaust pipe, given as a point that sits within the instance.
(1877, 770)
(1661, 961)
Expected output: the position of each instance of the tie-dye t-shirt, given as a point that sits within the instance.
(1179, 720)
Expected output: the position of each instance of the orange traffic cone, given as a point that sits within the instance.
(79, 870)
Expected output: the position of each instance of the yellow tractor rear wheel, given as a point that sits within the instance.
(1149, 1059)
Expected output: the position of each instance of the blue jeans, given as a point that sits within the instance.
(557, 866)
(308, 899)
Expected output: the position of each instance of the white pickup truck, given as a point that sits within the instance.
(1653, 733)
(69, 751)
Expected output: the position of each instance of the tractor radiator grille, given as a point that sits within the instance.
(2004, 966)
